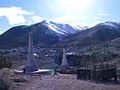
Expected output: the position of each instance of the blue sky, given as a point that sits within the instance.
(82, 12)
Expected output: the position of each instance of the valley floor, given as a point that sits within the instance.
(61, 82)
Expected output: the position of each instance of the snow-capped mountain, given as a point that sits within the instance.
(97, 34)
(111, 24)
(48, 33)
(60, 29)
(53, 28)
(70, 29)
(43, 32)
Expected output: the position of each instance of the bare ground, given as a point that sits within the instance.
(61, 82)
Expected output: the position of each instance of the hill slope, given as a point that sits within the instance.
(44, 32)
(98, 34)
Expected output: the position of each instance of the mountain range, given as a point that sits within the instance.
(45, 32)
(97, 34)
(56, 34)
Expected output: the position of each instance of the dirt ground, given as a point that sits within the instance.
(60, 82)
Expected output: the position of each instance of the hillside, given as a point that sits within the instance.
(97, 34)
(44, 33)
(60, 35)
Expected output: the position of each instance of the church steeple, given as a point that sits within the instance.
(31, 65)
(64, 59)
(30, 45)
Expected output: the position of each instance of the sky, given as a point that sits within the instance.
(80, 12)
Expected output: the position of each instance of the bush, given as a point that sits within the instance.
(5, 63)
(5, 82)
(4, 85)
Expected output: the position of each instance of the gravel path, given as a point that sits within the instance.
(64, 82)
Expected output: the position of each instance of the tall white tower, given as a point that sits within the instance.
(64, 59)
(31, 65)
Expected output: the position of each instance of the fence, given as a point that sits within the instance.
(97, 72)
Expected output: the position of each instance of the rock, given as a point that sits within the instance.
(20, 80)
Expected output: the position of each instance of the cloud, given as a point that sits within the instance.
(51, 7)
(34, 19)
(1, 32)
(102, 13)
(77, 20)
(69, 18)
(37, 19)
(15, 15)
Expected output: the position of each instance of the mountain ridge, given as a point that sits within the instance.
(97, 34)
(50, 33)
(43, 32)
